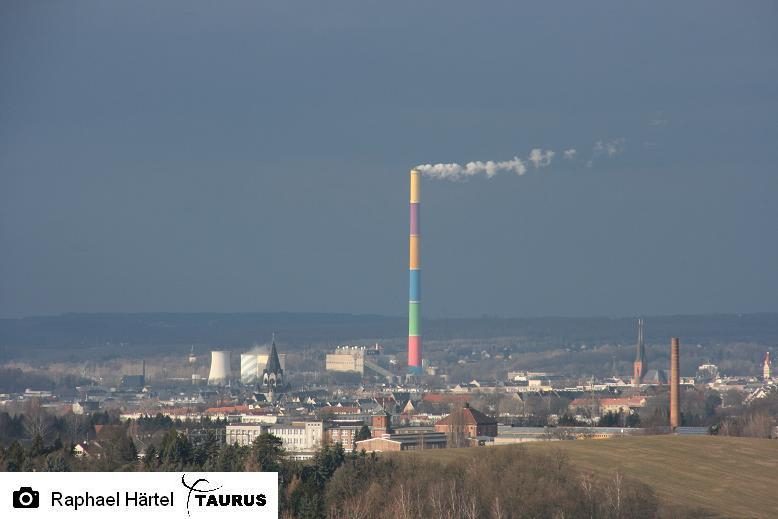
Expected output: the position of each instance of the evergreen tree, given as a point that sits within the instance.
(125, 449)
(57, 445)
(363, 434)
(14, 457)
(208, 449)
(229, 458)
(57, 462)
(150, 461)
(36, 447)
(175, 452)
(266, 453)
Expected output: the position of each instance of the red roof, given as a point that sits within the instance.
(445, 398)
(228, 409)
(469, 416)
(339, 410)
(634, 401)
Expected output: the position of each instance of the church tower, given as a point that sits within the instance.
(273, 375)
(639, 366)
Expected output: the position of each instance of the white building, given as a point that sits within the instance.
(349, 359)
(300, 440)
(244, 433)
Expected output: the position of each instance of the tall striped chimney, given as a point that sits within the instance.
(675, 383)
(414, 292)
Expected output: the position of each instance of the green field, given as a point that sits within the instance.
(733, 477)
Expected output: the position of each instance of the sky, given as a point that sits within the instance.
(241, 156)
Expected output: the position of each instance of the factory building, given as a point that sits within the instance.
(359, 359)
(604, 406)
(403, 442)
(347, 359)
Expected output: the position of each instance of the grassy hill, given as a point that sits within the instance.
(733, 477)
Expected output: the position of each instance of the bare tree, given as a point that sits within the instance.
(456, 433)
(613, 495)
(588, 486)
(758, 425)
(497, 510)
(37, 422)
(76, 427)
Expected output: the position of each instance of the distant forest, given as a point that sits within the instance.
(68, 336)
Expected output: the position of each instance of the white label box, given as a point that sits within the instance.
(179, 495)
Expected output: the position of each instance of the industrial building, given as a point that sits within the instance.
(355, 359)
(509, 434)
(403, 442)
(604, 406)
(347, 359)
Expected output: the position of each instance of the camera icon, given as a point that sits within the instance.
(26, 497)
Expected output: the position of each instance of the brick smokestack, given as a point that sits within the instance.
(675, 383)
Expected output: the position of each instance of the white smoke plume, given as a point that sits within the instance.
(538, 158)
(259, 349)
(541, 158)
(490, 168)
(609, 148)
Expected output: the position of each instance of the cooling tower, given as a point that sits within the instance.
(220, 368)
(675, 383)
(249, 372)
(414, 292)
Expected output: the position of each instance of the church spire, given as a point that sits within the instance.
(273, 375)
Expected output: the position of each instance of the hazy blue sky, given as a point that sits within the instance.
(254, 156)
